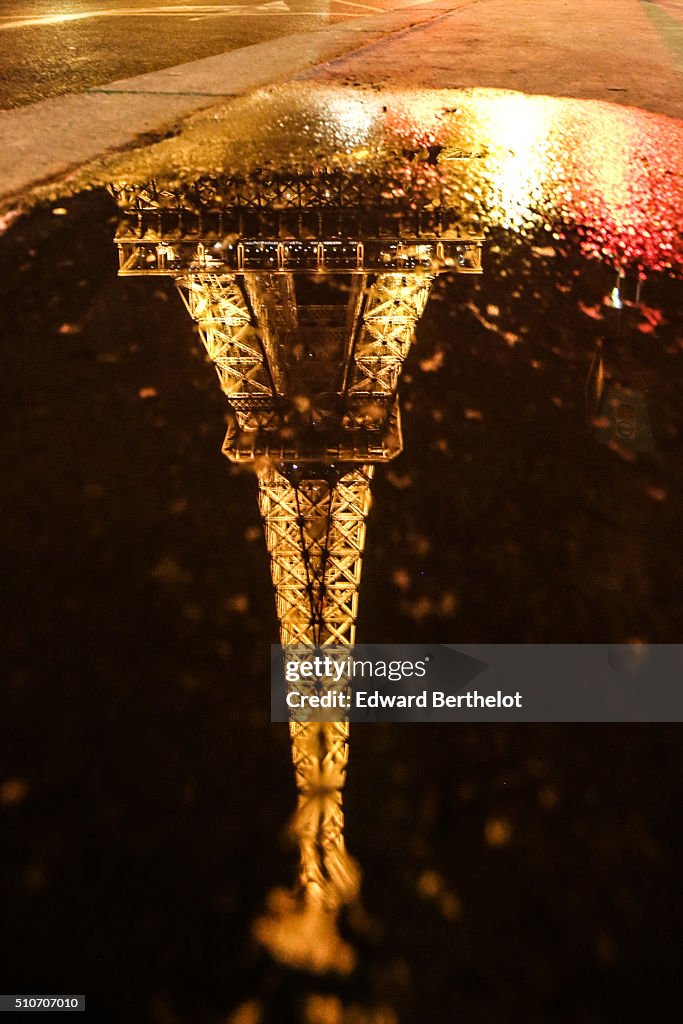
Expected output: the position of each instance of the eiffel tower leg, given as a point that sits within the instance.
(315, 531)
(328, 875)
(341, 869)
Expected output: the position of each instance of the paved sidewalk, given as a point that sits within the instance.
(586, 49)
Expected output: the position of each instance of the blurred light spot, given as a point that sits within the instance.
(449, 604)
(498, 832)
(323, 1010)
(401, 481)
(247, 1013)
(13, 792)
(429, 884)
(167, 570)
(548, 798)
(450, 906)
(432, 364)
(401, 579)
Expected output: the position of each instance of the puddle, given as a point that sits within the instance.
(449, 320)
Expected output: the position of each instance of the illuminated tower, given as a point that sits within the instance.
(306, 290)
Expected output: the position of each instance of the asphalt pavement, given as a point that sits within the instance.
(51, 48)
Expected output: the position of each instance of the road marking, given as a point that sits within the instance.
(274, 7)
(195, 13)
(366, 7)
(176, 10)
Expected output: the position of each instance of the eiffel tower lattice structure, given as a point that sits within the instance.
(306, 291)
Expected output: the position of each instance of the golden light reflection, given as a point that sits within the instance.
(306, 291)
(515, 132)
(352, 117)
(614, 174)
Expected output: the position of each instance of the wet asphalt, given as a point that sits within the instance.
(40, 61)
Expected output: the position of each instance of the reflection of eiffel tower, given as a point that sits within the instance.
(306, 291)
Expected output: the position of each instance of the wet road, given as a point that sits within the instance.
(49, 47)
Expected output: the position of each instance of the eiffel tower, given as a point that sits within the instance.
(306, 290)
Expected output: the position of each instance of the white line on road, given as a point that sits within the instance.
(376, 10)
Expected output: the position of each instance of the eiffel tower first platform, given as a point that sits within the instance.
(306, 290)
